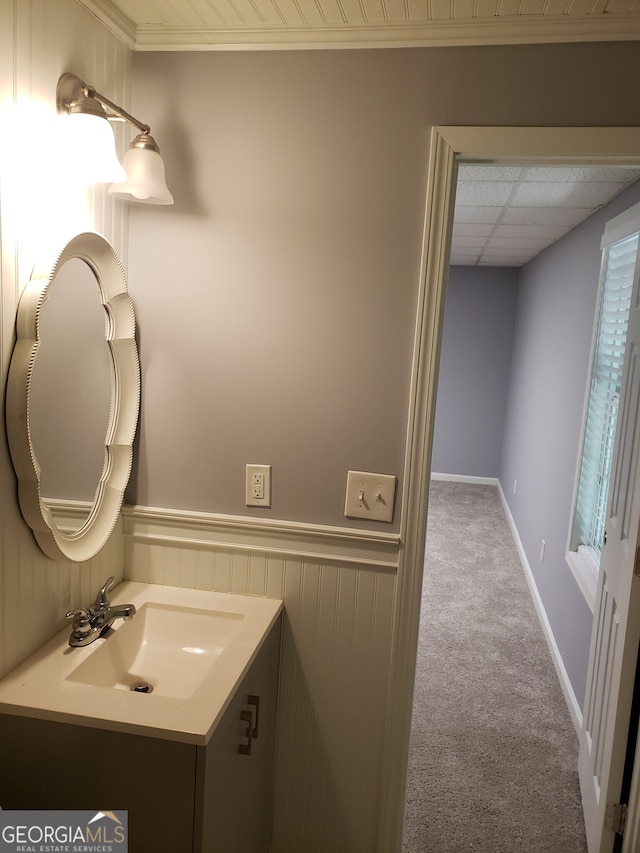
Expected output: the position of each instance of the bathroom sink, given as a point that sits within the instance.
(169, 672)
(164, 649)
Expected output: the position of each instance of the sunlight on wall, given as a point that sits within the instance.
(45, 201)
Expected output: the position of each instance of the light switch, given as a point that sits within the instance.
(370, 496)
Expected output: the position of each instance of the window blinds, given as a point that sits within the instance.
(602, 409)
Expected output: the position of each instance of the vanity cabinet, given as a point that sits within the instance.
(182, 797)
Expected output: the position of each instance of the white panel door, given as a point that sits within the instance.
(616, 629)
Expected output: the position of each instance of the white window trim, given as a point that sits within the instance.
(585, 571)
(583, 567)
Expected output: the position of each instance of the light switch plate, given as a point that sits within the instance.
(370, 496)
(258, 485)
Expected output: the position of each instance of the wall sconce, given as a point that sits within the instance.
(141, 175)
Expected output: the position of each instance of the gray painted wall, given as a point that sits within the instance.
(475, 364)
(276, 300)
(552, 347)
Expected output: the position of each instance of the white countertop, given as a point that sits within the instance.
(42, 686)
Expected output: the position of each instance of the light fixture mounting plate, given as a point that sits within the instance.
(70, 88)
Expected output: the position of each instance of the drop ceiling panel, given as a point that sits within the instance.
(476, 213)
(577, 174)
(564, 194)
(471, 230)
(464, 242)
(502, 260)
(565, 217)
(509, 214)
(468, 172)
(484, 193)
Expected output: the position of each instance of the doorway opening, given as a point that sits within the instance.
(481, 312)
(450, 146)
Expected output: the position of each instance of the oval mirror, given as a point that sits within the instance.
(73, 395)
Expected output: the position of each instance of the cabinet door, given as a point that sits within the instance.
(259, 699)
(219, 799)
(50, 765)
(234, 805)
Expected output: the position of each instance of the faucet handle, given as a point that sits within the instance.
(81, 624)
(102, 598)
(79, 615)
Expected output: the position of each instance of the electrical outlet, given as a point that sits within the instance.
(370, 496)
(542, 547)
(258, 485)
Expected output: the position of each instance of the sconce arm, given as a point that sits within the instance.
(71, 88)
(118, 112)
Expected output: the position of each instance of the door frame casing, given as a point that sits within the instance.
(448, 146)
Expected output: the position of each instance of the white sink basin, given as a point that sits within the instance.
(191, 647)
(171, 649)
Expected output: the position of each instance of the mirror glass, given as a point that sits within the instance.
(73, 397)
(70, 393)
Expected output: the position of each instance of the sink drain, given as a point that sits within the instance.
(141, 687)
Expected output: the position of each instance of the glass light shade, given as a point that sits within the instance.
(91, 148)
(145, 180)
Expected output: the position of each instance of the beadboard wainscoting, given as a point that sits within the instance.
(338, 587)
(39, 40)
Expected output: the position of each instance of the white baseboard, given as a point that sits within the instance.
(563, 676)
(464, 478)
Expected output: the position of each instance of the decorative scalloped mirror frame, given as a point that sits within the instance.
(87, 541)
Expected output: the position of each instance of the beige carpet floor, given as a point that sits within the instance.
(492, 765)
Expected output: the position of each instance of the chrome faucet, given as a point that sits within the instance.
(93, 622)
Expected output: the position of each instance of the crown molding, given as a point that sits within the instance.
(113, 19)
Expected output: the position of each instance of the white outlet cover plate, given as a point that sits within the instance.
(370, 496)
(265, 500)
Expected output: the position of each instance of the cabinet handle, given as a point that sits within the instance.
(246, 717)
(255, 701)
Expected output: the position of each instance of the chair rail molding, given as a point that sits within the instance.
(218, 532)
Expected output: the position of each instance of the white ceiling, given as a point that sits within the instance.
(237, 24)
(506, 215)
